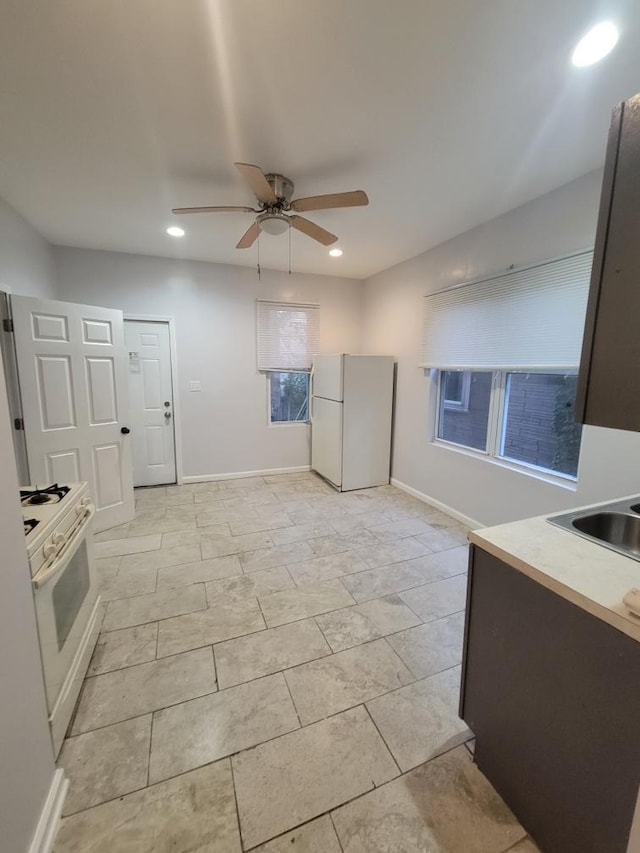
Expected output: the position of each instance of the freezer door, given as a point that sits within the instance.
(326, 439)
(327, 377)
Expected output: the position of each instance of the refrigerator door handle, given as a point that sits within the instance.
(311, 375)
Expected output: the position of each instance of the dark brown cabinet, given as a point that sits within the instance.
(610, 364)
(552, 694)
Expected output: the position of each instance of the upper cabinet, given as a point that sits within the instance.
(610, 365)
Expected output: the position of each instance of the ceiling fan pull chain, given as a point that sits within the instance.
(289, 251)
(258, 257)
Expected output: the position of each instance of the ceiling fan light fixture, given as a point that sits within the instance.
(335, 253)
(273, 223)
(595, 45)
(175, 231)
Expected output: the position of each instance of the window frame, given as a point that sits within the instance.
(279, 424)
(496, 426)
(461, 405)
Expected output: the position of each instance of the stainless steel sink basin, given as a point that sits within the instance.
(615, 525)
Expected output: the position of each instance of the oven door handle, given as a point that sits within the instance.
(46, 573)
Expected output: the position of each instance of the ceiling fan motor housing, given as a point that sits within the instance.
(282, 187)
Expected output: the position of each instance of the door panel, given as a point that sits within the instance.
(327, 377)
(72, 368)
(151, 402)
(326, 439)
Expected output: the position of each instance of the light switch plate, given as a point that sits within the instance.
(194, 385)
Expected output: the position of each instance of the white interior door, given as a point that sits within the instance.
(150, 402)
(326, 439)
(73, 383)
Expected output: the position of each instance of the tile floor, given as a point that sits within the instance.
(278, 670)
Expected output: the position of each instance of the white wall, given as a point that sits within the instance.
(225, 426)
(557, 223)
(26, 259)
(26, 755)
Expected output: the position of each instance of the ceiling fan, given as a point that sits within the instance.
(273, 193)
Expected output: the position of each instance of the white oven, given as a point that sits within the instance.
(66, 598)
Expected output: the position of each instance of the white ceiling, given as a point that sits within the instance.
(447, 112)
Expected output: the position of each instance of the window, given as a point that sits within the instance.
(287, 339)
(288, 396)
(457, 386)
(522, 417)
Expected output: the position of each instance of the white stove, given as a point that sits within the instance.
(59, 537)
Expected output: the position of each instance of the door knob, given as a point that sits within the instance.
(125, 430)
(167, 415)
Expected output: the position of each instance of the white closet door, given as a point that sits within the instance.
(150, 402)
(73, 382)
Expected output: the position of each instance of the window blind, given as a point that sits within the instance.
(288, 335)
(531, 318)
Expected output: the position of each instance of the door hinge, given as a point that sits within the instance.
(18, 423)
(7, 324)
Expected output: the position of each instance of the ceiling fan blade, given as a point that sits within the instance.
(261, 187)
(357, 198)
(249, 237)
(214, 210)
(312, 230)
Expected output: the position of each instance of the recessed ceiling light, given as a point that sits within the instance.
(335, 253)
(595, 45)
(175, 231)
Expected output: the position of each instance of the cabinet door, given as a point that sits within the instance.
(551, 694)
(607, 392)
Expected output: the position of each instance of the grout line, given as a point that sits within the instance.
(382, 738)
(295, 707)
(235, 800)
(335, 829)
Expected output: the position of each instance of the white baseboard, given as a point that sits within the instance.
(238, 475)
(49, 820)
(463, 519)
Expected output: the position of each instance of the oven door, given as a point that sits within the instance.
(65, 592)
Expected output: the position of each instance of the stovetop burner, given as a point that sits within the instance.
(29, 524)
(49, 495)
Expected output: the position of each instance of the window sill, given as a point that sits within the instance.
(553, 480)
(280, 424)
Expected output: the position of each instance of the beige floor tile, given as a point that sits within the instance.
(421, 720)
(274, 522)
(352, 626)
(127, 583)
(119, 532)
(107, 568)
(253, 498)
(246, 658)
(132, 545)
(144, 526)
(326, 686)
(162, 557)
(250, 586)
(220, 545)
(327, 545)
(435, 600)
(325, 568)
(432, 647)
(127, 647)
(317, 836)
(301, 532)
(195, 812)
(226, 618)
(392, 552)
(445, 806)
(192, 535)
(218, 513)
(441, 565)
(203, 730)
(393, 530)
(127, 612)
(299, 776)
(441, 540)
(204, 570)
(349, 523)
(106, 763)
(279, 555)
(383, 581)
(137, 690)
(308, 600)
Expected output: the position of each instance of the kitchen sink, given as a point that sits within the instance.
(614, 525)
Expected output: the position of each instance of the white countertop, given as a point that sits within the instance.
(585, 573)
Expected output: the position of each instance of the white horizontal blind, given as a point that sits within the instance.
(532, 318)
(288, 335)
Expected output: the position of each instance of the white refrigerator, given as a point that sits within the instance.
(351, 411)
